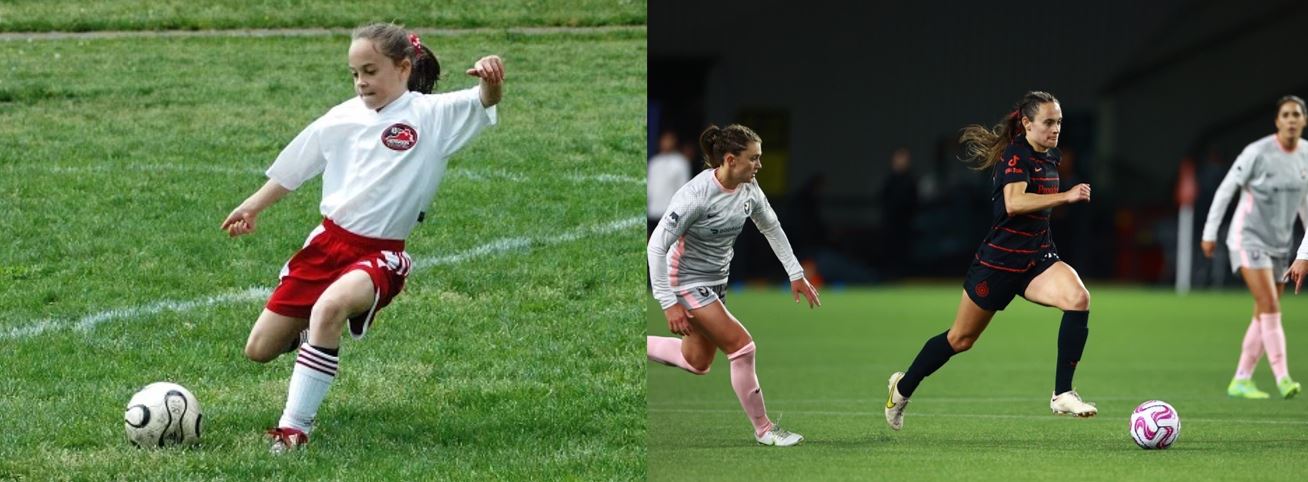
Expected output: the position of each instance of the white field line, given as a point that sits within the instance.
(1043, 416)
(930, 400)
(511, 244)
(105, 169)
(469, 174)
(89, 322)
(612, 178)
(505, 175)
(303, 32)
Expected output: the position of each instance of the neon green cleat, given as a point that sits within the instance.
(1245, 389)
(1289, 388)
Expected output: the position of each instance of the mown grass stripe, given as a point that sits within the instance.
(455, 173)
(89, 322)
(309, 32)
(1008, 416)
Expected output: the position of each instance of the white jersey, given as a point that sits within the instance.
(703, 221)
(381, 169)
(1274, 185)
(666, 173)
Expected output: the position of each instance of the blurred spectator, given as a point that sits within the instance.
(1209, 173)
(668, 170)
(898, 210)
(1070, 223)
(810, 231)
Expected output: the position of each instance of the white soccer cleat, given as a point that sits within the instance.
(1070, 403)
(895, 403)
(777, 437)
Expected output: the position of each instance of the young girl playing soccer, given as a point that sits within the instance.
(382, 155)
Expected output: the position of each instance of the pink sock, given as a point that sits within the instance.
(1274, 343)
(745, 382)
(666, 350)
(1251, 349)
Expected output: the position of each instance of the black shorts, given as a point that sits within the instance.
(992, 289)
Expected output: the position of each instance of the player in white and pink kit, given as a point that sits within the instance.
(381, 155)
(1272, 172)
(689, 256)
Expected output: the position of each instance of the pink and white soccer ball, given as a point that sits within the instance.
(1155, 425)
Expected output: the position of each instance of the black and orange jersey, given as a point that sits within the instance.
(1015, 242)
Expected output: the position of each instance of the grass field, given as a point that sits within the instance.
(40, 16)
(985, 415)
(512, 354)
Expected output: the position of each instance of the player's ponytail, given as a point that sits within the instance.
(716, 142)
(984, 146)
(398, 44)
(426, 71)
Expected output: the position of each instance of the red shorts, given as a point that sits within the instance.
(331, 252)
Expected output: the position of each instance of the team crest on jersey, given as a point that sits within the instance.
(400, 137)
(747, 208)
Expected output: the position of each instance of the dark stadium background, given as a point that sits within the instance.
(835, 87)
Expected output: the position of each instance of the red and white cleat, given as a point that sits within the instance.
(286, 439)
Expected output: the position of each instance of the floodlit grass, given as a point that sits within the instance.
(38, 16)
(985, 415)
(512, 354)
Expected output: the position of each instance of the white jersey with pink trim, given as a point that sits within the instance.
(692, 245)
(1274, 186)
(380, 169)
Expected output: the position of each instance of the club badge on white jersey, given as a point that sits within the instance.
(399, 137)
(382, 168)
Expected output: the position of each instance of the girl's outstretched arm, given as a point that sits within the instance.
(241, 220)
(490, 69)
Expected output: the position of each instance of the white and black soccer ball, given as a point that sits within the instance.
(163, 414)
(1155, 425)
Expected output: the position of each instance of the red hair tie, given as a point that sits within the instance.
(417, 44)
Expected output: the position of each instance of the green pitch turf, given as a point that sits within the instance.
(513, 353)
(39, 16)
(985, 415)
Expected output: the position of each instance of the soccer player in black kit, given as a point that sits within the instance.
(1018, 257)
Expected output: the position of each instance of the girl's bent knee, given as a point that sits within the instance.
(254, 354)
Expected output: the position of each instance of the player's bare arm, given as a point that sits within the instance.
(490, 69)
(1298, 270)
(241, 219)
(678, 319)
(1018, 201)
(803, 287)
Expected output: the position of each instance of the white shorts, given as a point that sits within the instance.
(702, 296)
(1255, 259)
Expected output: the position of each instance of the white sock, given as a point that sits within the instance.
(313, 375)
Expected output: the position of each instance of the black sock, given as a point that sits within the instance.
(935, 352)
(1071, 342)
(328, 351)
